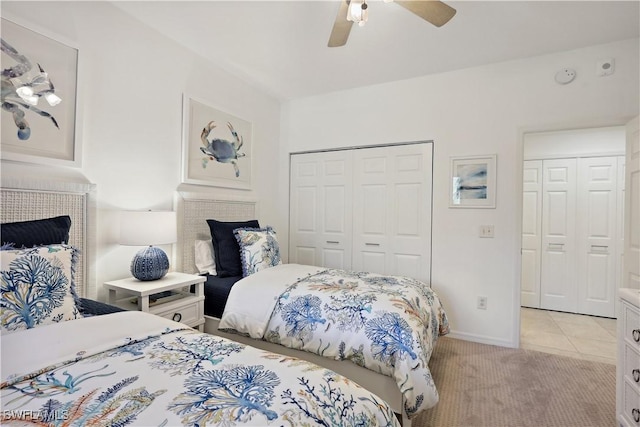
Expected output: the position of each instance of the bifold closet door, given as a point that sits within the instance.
(597, 242)
(531, 233)
(321, 209)
(392, 210)
(558, 281)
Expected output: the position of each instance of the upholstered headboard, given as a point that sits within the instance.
(193, 212)
(35, 199)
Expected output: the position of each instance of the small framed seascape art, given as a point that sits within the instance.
(216, 146)
(39, 97)
(473, 182)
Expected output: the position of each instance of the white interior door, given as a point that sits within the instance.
(558, 285)
(392, 210)
(631, 274)
(531, 233)
(596, 236)
(320, 209)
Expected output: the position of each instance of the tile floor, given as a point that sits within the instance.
(575, 335)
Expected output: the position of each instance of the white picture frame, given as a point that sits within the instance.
(225, 160)
(472, 182)
(53, 130)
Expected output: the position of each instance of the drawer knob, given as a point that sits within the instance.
(177, 317)
(636, 414)
(636, 375)
(636, 335)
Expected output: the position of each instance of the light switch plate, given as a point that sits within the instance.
(486, 231)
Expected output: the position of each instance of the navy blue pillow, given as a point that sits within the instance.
(27, 234)
(225, 246)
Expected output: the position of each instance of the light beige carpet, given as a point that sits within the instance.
(484, 385)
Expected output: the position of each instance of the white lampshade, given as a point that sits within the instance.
(144, 228)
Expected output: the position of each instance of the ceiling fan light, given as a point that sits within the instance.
(24, 92)
(52, 99)
(358, 12)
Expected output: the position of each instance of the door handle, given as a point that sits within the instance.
(636, 375)
(372, 244)
(333, 242)
(636, 335)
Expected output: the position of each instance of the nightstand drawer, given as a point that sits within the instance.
(187, 312)
(631, 366)
(631, 325)
(631, 402)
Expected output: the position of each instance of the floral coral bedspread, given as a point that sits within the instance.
(137, 369)
(388, 324)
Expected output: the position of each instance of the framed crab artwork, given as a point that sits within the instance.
(216, 148)
(39, 94)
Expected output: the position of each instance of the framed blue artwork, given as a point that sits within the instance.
(216, 146)
(473, 182)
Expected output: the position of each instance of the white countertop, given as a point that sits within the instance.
(632, 296)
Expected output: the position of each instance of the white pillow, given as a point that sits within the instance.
(205, 260)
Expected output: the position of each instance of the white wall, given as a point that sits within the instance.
(483, 110)
(131, 81)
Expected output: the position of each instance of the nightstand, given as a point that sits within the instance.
(165, 297)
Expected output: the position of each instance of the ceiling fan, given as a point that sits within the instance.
(351, 11)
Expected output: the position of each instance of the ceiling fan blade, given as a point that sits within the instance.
(432, 11)
(342, 27)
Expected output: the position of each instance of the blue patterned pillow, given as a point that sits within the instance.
(259, 249)
(37, 287)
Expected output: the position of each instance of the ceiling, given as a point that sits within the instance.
(281, 46)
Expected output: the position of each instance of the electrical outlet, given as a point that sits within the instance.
(482, 303)
(486, 231)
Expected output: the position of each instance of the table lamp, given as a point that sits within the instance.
(148, 228)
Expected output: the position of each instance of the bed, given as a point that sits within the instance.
(332, 317)
(134, 368)
(96, 365)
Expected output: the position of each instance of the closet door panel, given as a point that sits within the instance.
(531, 233)
(373, 216)
(333, 209)
(371, 210)
(392, 210)
(558, 285)
(321, 210)
(596, 237)
(304, 208)
(304, 255)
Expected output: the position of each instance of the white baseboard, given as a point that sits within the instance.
(482, 339)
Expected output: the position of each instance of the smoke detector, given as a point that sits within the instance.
(566, 75)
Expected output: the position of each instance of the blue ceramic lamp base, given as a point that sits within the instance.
(150, 263)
